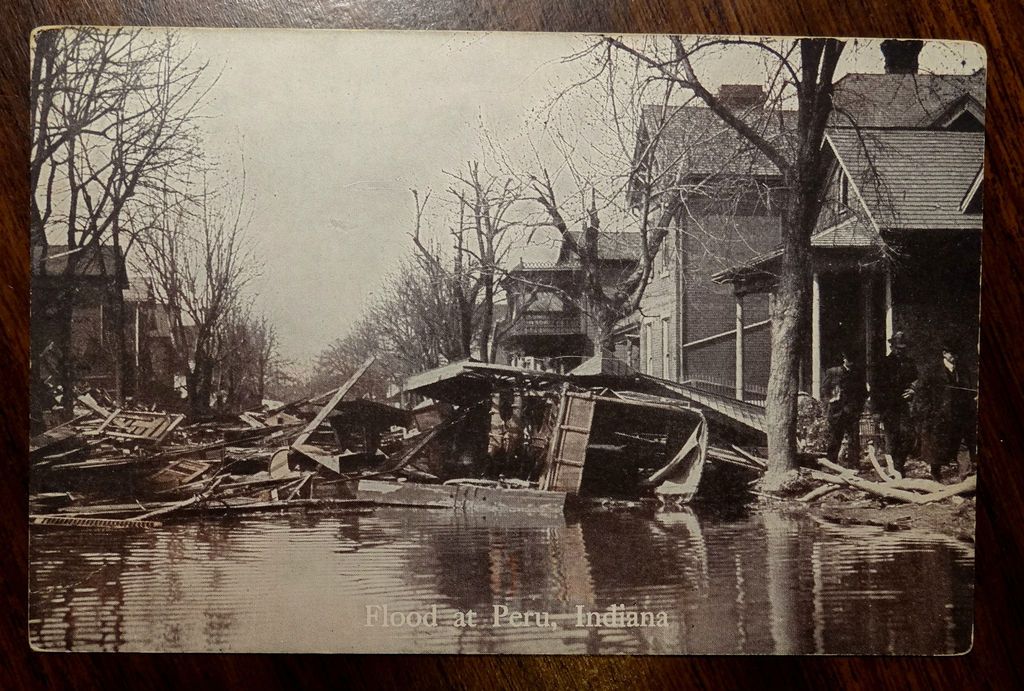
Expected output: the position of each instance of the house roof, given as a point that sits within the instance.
(852, 232)
(695, 142)
(907, 179)
(602, 364)
(138, 289)
(902, 100)
(95, 261)
(912, 179)
(611, 246)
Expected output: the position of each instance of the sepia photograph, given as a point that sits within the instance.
(503, 343)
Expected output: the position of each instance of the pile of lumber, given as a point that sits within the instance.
(890, 485)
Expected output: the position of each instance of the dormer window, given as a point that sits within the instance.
(966, 122)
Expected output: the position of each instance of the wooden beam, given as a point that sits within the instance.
(308, 430)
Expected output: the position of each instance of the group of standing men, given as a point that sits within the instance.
(929, 413)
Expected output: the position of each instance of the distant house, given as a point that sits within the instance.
(154, 368)
(85, 285)
(550, 323)
(94, 285)
(904, 147)
(732, 198)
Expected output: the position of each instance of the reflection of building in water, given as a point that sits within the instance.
(760, 583)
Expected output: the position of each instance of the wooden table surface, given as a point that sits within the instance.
(999, 627)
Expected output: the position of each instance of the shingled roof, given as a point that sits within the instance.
(611, 246)
(96, 261)
(908, 179)
(852, 232)
(902, 100)
(912, 179)
(695, 141)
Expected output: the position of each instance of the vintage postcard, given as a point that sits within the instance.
(437, 342)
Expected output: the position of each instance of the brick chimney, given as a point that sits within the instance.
(742, 96)
(901, 56)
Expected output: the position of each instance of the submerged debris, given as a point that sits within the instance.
(482, 436)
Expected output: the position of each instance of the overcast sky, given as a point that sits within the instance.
(336, 127)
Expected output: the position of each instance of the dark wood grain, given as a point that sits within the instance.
(999, 616)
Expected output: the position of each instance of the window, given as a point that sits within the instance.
(666, 348)
(648, 347)
(666, 254)
(844, 191)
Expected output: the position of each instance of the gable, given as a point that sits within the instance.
(964, 115)
(911, 179)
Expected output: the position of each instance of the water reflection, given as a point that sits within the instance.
(759, 583)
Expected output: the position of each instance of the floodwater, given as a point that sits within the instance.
(761, 582)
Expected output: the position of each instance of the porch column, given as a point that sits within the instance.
(888, 309)
(739, 347)
(868, 289)
(815, 336)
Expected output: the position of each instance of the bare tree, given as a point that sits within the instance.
(608, 299)
(337, 361)
(808, 69)
(200, 258)
(112, 114)
(412, 324)
(249, 361)
(482, 237)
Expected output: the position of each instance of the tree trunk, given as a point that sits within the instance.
(788, 312)
(199, 383)
(488, 317)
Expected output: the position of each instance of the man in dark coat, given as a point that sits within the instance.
(952, 415)
(843, 392)
(895, 388)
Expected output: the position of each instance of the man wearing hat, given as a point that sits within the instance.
(952, 414)
(894, 393)
(843, 392)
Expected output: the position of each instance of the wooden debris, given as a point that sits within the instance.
(89, 402)
(314, 452)
(93, 522)
(896, 490)
(882, 474)
(756, 460)
(819, 492)
(139, 425)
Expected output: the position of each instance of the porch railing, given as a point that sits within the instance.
(548, 324)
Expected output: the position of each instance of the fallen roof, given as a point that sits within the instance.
(468, 381)
(604, 363)
(366, 411)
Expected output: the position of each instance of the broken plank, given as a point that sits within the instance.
(89, 402)
(335, 399)
(757, 460)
